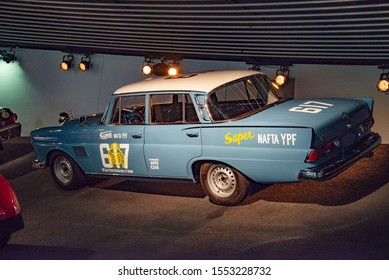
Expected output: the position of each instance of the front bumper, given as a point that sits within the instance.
(36, 164)
(333, 168)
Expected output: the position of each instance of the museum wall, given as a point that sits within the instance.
(38, 90)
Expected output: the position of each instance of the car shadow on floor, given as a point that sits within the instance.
(152, 187)
(360, 180)
(31, 252)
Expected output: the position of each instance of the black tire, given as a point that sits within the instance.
(66, 173)
(223, 184)
(4, 240)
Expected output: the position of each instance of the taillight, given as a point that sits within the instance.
(315, 154)
(15, 203)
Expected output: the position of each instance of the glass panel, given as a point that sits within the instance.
(129, 110)
(242, 98)
(172, 108)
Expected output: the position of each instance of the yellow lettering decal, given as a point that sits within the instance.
(228, 138)
(238, 137)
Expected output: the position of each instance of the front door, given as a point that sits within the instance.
(118, 146)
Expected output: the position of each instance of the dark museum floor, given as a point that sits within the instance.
(343, 218)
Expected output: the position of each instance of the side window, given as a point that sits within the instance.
(129, 110)
(172, 108)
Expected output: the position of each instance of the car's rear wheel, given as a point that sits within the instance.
(223, 184)
(4, 240)
(66, 173)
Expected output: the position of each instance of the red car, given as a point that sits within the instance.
(10, 212)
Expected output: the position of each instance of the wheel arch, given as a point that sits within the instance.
(196, 166)
(52, 151)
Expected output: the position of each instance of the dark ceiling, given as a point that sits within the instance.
(271, 32)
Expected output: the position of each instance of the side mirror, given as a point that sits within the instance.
(63, 117)
(83, 120)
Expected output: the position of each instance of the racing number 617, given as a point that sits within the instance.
(311, 107)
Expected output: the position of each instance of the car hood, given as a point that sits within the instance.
(93, 119)
(328, 117)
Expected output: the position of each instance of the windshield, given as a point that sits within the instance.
(243, 97)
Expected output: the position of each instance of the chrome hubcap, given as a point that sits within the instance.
(222, 180)
(63, 170)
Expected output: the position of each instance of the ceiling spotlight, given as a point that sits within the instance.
(173, 69)
(67, 62)
(9, 56)
(85, 64)
(162, 68)
(282, 76)
(383, 83)
(147, 68)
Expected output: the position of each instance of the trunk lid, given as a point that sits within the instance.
(328, 117)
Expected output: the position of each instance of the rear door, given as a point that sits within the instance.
(173, 137)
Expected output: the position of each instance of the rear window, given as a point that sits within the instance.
(243, 97)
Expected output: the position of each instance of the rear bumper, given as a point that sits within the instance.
(10, 225)
(10, 131)
(333, 168)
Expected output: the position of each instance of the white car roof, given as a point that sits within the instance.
(202, 82)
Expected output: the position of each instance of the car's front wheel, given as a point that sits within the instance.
(66, 173)
(223, 184)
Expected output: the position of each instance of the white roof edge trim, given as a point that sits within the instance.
(200, 82)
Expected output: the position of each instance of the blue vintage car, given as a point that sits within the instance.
(224, 129)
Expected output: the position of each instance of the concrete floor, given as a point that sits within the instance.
(344, 218)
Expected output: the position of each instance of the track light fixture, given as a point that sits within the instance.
(8, 56)
(255, 67)
(282, 76)
(161, 68)
(383, 83)
(85, 63)
(174, 68)
(67, 62)
(147, 68)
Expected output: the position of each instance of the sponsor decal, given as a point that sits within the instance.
(123, 135)
(105, 135)
(154, 163)
(114, 157)
(109, 135)
(311, 107)
(238, 137)
(285, 139)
